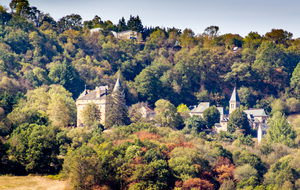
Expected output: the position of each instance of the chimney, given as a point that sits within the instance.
(98, 92)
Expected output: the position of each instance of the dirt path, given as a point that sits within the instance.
(30, 183)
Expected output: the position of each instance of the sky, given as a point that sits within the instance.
(232, 16)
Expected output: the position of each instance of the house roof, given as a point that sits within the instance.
(82, 94)
(256, 112)
(222, 111)
(234, 96)
(200, 108)
(147, 108)
(93, 94)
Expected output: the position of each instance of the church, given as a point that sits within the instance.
(97, 96)
(257, 117)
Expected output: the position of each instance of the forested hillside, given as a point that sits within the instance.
(45, 65)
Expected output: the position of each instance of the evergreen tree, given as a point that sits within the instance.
(116, 108)
(135, 24)
(122, 25)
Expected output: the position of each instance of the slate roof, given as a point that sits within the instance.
(200, 108)
(82, 94)
(118, 84)
(222, 111)
(256, 112)
(92, 95)
(234, 96)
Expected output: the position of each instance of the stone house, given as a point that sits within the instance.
(198, 110)
(147, 112)
(97, 96)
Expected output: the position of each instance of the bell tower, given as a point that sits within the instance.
(234, 101)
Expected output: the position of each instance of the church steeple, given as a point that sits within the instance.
(234, 101)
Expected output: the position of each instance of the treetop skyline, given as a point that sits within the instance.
(236, 17)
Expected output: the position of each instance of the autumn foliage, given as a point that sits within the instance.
(197, 184)
(224, 169)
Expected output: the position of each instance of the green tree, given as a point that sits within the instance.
(135, 23)
(238, 120)
(21, 7)
(35, 147)
(195, 124)
(58, 111)
(83, 167)
(116, 108)
(167, 115)
(122, 26)
(252, 159)
(73, 21)
(211, 116)
(147, 85)
(188, 38)
(295, 81)
(279, 36)
(280, 130)
(279, 173)
(245, 172)
(4, 16)
(90, 114)
(67, 75)
(212, 31)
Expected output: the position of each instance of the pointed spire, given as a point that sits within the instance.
(118, 84)
(234, 96)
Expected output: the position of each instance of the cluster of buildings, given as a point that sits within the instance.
(257, 117)
(125, 35)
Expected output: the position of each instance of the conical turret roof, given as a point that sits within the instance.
(118, 84)
(234, 96)
(83, 93)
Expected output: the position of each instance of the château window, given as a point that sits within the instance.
(232, 105)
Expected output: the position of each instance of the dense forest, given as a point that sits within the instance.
(45, 65)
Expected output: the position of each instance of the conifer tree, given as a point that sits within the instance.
(116, 108)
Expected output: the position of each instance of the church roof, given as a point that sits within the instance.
(222, 111)
(234, 96)
(256, 112)
(93, 94)
(200, 108)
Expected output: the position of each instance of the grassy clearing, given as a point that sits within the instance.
(30, 183)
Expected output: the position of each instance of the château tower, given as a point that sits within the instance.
(97, 96)
(234, 101)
